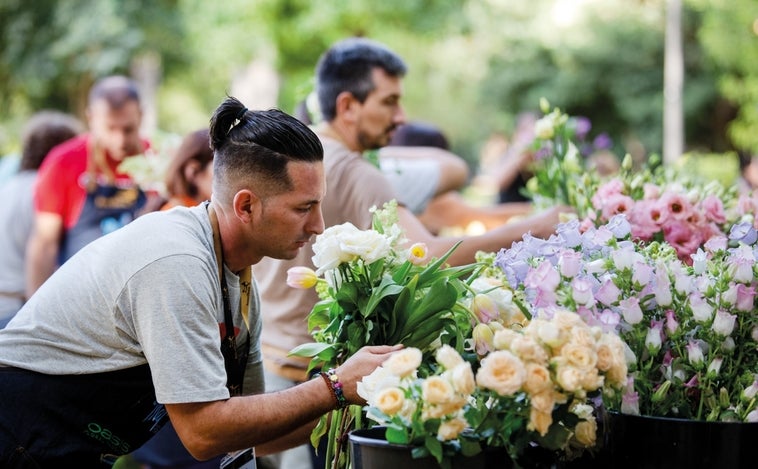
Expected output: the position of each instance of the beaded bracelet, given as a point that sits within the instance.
(333, 381)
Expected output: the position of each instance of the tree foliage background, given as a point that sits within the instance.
(474, 64)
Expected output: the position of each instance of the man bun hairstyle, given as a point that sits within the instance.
(258, 145)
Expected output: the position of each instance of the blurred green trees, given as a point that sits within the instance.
(474, 64)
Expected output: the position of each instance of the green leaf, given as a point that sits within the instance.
(309, 350)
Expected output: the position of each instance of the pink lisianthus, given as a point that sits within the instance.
(713, 208)
(682, 237)
(611, 188)
(676, 205)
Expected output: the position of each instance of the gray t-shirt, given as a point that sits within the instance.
(147, 293)
(16, 222)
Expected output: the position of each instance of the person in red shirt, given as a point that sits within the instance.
(80, 194)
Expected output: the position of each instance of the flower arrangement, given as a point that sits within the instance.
(477, 372)
(374, 291)
(661, 203)
(690, 328)
(534, 385)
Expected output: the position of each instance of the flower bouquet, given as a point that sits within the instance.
(690, 328)
(534, 388)
(374, 291)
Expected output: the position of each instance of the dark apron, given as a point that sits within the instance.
(75, 420)
(106, 208)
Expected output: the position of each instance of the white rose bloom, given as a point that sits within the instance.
(448, 357)
(404, 362)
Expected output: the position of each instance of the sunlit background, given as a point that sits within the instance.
(474, 65)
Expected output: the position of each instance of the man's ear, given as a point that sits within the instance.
(347, 106)
(246, 204)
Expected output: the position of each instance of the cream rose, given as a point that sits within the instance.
(379, 379)
(569, 378)
(503, 338)
(463, 379)
(537, 378)
(543, 401)
(436, 390)
(404, 363)
(528, 349)
(579, 355)
(539, 421)
(586, 432)
(502, 372)
(450, 429)
(390, 400)
(448, 357)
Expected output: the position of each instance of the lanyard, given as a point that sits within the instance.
(245, 276)
(234, 361)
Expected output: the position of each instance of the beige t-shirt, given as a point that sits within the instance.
(353, 186)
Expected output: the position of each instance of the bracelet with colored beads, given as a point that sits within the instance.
(333, 382)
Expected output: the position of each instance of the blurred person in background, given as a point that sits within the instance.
(189, 175)
(447, 209)
(42, 132)
(80, 194)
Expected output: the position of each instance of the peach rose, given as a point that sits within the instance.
(404, 363)
(502, 372)
(390, 400)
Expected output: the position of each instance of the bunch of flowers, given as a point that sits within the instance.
(375, 291)
(690, 328)
(661, 203)
(559, 169)
(531, 386)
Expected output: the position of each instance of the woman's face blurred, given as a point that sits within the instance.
(204, 182)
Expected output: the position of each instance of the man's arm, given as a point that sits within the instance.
(451, 209)
(42, 250)
(541, 225)
(267, 421)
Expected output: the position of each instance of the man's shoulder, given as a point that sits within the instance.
(74, 149)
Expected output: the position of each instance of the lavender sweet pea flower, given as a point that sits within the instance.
(544, 277)
(702, 311)
(716, 243)
(619, 226)
(569, 233)
(695, 354)
(723, 323)
(630, 310)
(609, 320)
(671, 323)
(608, 293)
(743, 232)
(745, 297)
(740, 266)
(654, 337)
(569, 262)
(699, 261)
(642, 273)
(602, 142)
(582, 291)
(714, 368)
(662, 287)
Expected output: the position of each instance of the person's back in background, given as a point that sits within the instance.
(42, 132)
(80, 193)
(448, 209)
